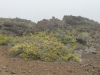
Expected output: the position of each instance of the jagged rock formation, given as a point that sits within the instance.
(19, 26)
(67, 23)
(16, 26)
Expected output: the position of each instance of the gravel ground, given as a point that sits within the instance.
(90, 65)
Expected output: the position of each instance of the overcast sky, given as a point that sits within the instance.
(36, 10)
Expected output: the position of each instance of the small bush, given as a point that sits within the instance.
(16, 50)
(68, 39)
(4, 39)
(18, 40)
(71, 57)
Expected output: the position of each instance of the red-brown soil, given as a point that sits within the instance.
(90, 65)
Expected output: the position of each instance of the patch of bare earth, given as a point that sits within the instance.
(90, 65)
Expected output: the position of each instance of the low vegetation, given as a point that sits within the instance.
(47, 47)
(41, 47)
(49, 40)
(4, 39)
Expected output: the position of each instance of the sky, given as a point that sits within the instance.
(37, 10)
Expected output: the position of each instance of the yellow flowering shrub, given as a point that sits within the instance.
(40, 47)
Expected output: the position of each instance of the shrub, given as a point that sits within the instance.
(4, 39)
(40, 47)
(68, 39)
(71, 57)
(16, 50)
(18, 39)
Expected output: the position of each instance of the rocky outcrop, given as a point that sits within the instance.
(16, 26)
